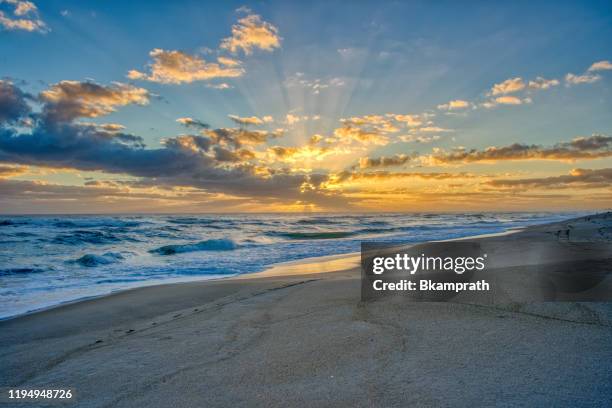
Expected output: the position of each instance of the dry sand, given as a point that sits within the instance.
(308, 340)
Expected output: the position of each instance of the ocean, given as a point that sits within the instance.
(48, 260)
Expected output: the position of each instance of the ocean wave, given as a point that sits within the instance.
(86, 237)
(315, 221)
(378, 230)
(92, 260)
(314, 235)
(19, 271)
(193, 220)
(93, 223)
(208, 245)
(7, 223)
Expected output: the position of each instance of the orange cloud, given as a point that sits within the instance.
(250, 33)
(593, 147)
(176, 67)
(72, 99)
(508, 86)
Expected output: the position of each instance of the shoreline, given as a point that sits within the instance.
(303, 266)
(296, 340)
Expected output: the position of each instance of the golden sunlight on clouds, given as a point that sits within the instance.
(7, 170)
(251, 120)
(25, 17)
(457, 104)
(298, 156)
(508, 86)
(250, 33)
(73, 99)
(176, 67)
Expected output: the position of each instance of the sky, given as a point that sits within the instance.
(196, 106)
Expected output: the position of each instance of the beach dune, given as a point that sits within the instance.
(303, 338)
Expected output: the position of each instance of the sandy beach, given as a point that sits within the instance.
(293, 336)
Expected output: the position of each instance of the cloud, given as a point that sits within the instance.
(26, 17)
(250, 120)
(13, 103)
(508, 100)
(292, 119)
(176, 67)
(251, 33)
(542, 83)
(456, 104)
(303, 153)
(572, 79)
(68, 100)
(508, 86)
(215, 160)
(238, 137)
(418, 139)
(7, 171)
(600, 66)
(434, 129)
(385, 161)
(348, 176)
(586, 148)
(410, 120)
(189, 142)
(193, 123)
(230, 62)
(226, 155)
(577, 178)
(348, 134)
(106, 127)
(505, 100)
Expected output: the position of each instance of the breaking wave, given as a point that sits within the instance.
(208, 245)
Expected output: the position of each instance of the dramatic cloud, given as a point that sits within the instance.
(189, 142)
(25, 17)
(577, 178)
(508, 86)
(251, 33)
(457, 104)
(251, 120)
(176, 67)
(593, 147)
(13, 103)
(542, 83)
(215, 160)
(601, 66)
(572, 79)
(68, 100)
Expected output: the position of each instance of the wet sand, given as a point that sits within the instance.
(291, 337)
